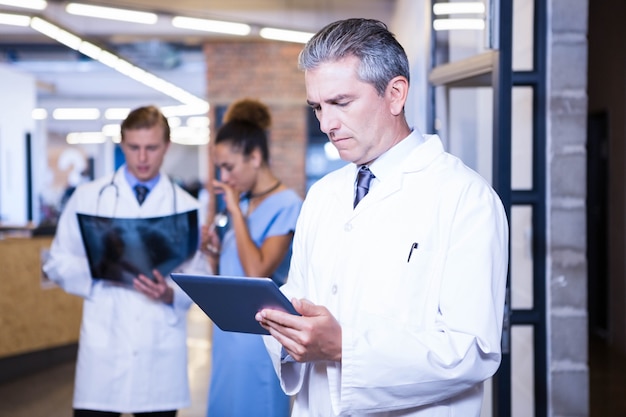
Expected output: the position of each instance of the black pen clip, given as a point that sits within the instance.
(413, 246)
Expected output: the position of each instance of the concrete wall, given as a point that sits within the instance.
(568, 378)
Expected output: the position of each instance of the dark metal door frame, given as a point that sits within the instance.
(494, 68)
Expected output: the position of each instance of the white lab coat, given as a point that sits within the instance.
(132, 351)
(419, 335)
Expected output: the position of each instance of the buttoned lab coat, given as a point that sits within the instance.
(419, 334)
(132, 351)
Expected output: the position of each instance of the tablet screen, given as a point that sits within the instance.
(232, 302)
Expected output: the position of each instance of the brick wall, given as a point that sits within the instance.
(267, 71)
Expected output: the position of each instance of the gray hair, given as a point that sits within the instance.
(381, 55)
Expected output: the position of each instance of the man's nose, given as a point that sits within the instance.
(328, 121)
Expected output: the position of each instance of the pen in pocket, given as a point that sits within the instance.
(413, 246)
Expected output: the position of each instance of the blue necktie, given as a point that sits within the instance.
(141, 191)
(362, 183)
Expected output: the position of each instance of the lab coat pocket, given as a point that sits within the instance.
(418, 278)
(401, 276)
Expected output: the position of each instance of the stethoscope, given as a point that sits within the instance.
(117, 195)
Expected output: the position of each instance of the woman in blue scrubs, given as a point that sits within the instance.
(262, 214)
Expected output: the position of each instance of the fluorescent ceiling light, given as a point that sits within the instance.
(14, 19)
(76, 114)
(111, 130)
(90, 50)
(111, 13)
(285, 35)
(107, 58)
(39, 114)
(198, 121)
(185, 110)
(185, 135)
(229, 28)
(26, 4)
(174, 121)
(458, 24)
(52, 31)
(75, 138)
(458, 8)
(116, 113)
(124, 67)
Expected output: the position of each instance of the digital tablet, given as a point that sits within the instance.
(232, 302)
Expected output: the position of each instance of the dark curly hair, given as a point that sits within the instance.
(245, 124)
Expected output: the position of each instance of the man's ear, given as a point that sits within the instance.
(398, 91)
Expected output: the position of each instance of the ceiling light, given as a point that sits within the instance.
(124, 67)
(185, 110)
(112, 130)
(76, 114)
(198, 121)
(26, 4)
(55, 32)
(116, 113)
(185, 135)
(90, 50)
(458, 8)
(218, 26)
(111, 13)
(174, 121)
(458, 24)
(14, 19)
(285, 35)
(107, 58)
(39, 114)
(85, 137)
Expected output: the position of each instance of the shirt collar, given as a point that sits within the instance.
(132, 180)
(388, 162)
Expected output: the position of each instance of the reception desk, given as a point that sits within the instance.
(35, 315)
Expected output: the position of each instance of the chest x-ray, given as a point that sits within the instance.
(120, 249)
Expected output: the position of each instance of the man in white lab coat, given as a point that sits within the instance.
(401, 292)
(132, 350)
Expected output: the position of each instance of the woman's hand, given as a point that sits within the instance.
(231, 195)
(209, 240)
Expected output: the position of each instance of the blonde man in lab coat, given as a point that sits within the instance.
(401, 292)
(132, 350)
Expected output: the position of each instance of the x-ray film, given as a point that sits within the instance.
(120, 249)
